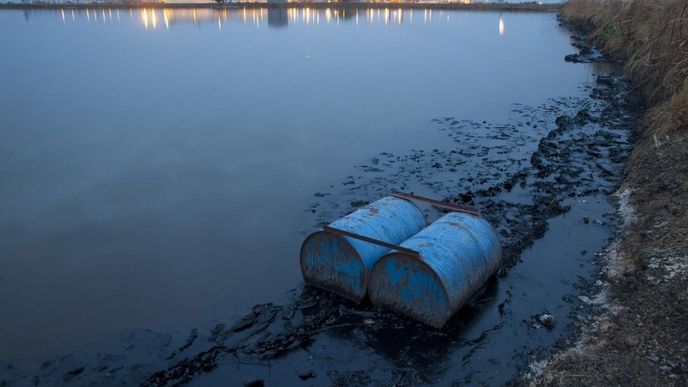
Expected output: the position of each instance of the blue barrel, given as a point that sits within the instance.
(457, 254)
(341, 264)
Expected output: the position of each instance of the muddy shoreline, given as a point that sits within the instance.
(542, 179)
(636, 333)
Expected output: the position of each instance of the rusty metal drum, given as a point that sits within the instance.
(341, 264)
(455, 256)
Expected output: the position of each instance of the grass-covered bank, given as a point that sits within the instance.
(650, 37)
(638, 336)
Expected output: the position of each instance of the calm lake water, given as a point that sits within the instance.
(157, 165)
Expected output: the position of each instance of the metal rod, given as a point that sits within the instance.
(437, 203)
(371, 240)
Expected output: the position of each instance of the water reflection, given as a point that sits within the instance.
(138, 196)
(274, 17)
(148, 2)
(278, 17)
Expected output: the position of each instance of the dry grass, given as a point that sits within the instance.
(667, 117)
(651, 38)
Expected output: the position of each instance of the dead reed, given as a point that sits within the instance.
(651, 38)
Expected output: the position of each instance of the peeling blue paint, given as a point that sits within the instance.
(342, 264)
(458, 253)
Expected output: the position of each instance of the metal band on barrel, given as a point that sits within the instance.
(437, 203)
(371, 240)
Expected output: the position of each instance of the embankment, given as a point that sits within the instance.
(638, 336)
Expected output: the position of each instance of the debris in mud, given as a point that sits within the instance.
(72, 374)
(305, 375)
(631, 340)
(547, 320)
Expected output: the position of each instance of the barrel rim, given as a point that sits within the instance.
(500, 253)
(392, 254)
(319, 284)
(415, 205)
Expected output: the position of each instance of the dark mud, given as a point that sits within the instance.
(542, 179)
(636, 334)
